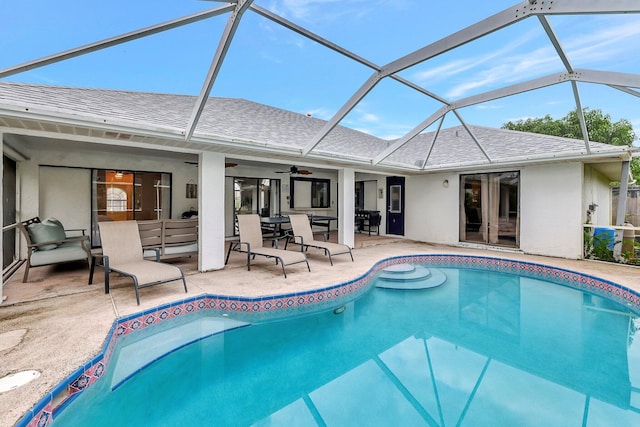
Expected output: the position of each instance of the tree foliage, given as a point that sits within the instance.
(599, 126)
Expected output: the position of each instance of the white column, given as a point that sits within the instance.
(211, 211)
(621, 210)
(346, 208)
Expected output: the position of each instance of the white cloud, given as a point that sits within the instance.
(369, 117)
(609, 43)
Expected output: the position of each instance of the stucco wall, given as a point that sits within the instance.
(432, 208)
(551, 209)
(551, 205)
(63, 189)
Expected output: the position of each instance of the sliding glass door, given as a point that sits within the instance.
(128, 195)
(490, 208)
(255, 196)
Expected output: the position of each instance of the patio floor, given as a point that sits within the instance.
(65, 321)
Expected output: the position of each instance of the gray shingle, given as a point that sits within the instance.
(238, 119)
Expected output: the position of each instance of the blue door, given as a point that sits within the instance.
(395, 205)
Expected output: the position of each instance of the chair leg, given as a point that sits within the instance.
(26, 272)
(351, 254)
(135, 286)
(184, 281)
(91, 269)
(330, 260)
(105, 264)
(228, 253)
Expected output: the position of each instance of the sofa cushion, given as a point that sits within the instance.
(71, 251)
(46, 231)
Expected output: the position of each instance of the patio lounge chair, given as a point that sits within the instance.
(122, 253)
(251, 243)
(48, 243)
(303, 236)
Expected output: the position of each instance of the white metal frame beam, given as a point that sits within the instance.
(480, 29)
(620, 81)
(339, 49)
(628, 83)
(225, 41)
(114, 41)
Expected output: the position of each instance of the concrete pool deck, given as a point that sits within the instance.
(56, 322)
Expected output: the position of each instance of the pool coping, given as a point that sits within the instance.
(299, 303)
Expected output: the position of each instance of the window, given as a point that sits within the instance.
(395, 197)
(116, 200)
(310, 193)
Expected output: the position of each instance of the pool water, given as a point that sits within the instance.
(483, 349)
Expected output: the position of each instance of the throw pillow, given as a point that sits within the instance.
(47, 231)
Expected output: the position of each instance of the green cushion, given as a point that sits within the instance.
(46, 231)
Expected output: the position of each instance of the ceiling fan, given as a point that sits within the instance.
(293, 170)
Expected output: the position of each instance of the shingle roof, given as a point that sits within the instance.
(240, 120)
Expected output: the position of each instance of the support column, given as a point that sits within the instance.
(211, 211)
(346, 208)
(621, 209)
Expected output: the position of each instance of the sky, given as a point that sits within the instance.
(269, 64)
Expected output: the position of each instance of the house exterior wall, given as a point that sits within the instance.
(64, 167)
(551, 205)
(551, 209)
(431, 210)
(65, 194)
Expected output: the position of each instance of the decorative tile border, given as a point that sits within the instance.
(287, 305)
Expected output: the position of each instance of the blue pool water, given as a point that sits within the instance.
(483, 349)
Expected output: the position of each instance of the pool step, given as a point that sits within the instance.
(409, 276)
(139, 353)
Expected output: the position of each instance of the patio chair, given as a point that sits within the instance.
(251, 243)
(48, 242)
(122, 253)
(303, 236)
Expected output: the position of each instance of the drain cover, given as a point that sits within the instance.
(13, 381)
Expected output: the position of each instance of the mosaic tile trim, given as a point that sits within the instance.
(42, 414)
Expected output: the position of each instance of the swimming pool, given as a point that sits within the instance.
(497, 333)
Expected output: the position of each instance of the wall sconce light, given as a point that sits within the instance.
(118, 175)
(445, 183)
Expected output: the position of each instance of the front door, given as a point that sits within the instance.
(395, 205)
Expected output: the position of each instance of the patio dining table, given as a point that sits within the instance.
(276, 222)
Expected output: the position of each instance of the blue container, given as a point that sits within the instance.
(604, 235)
